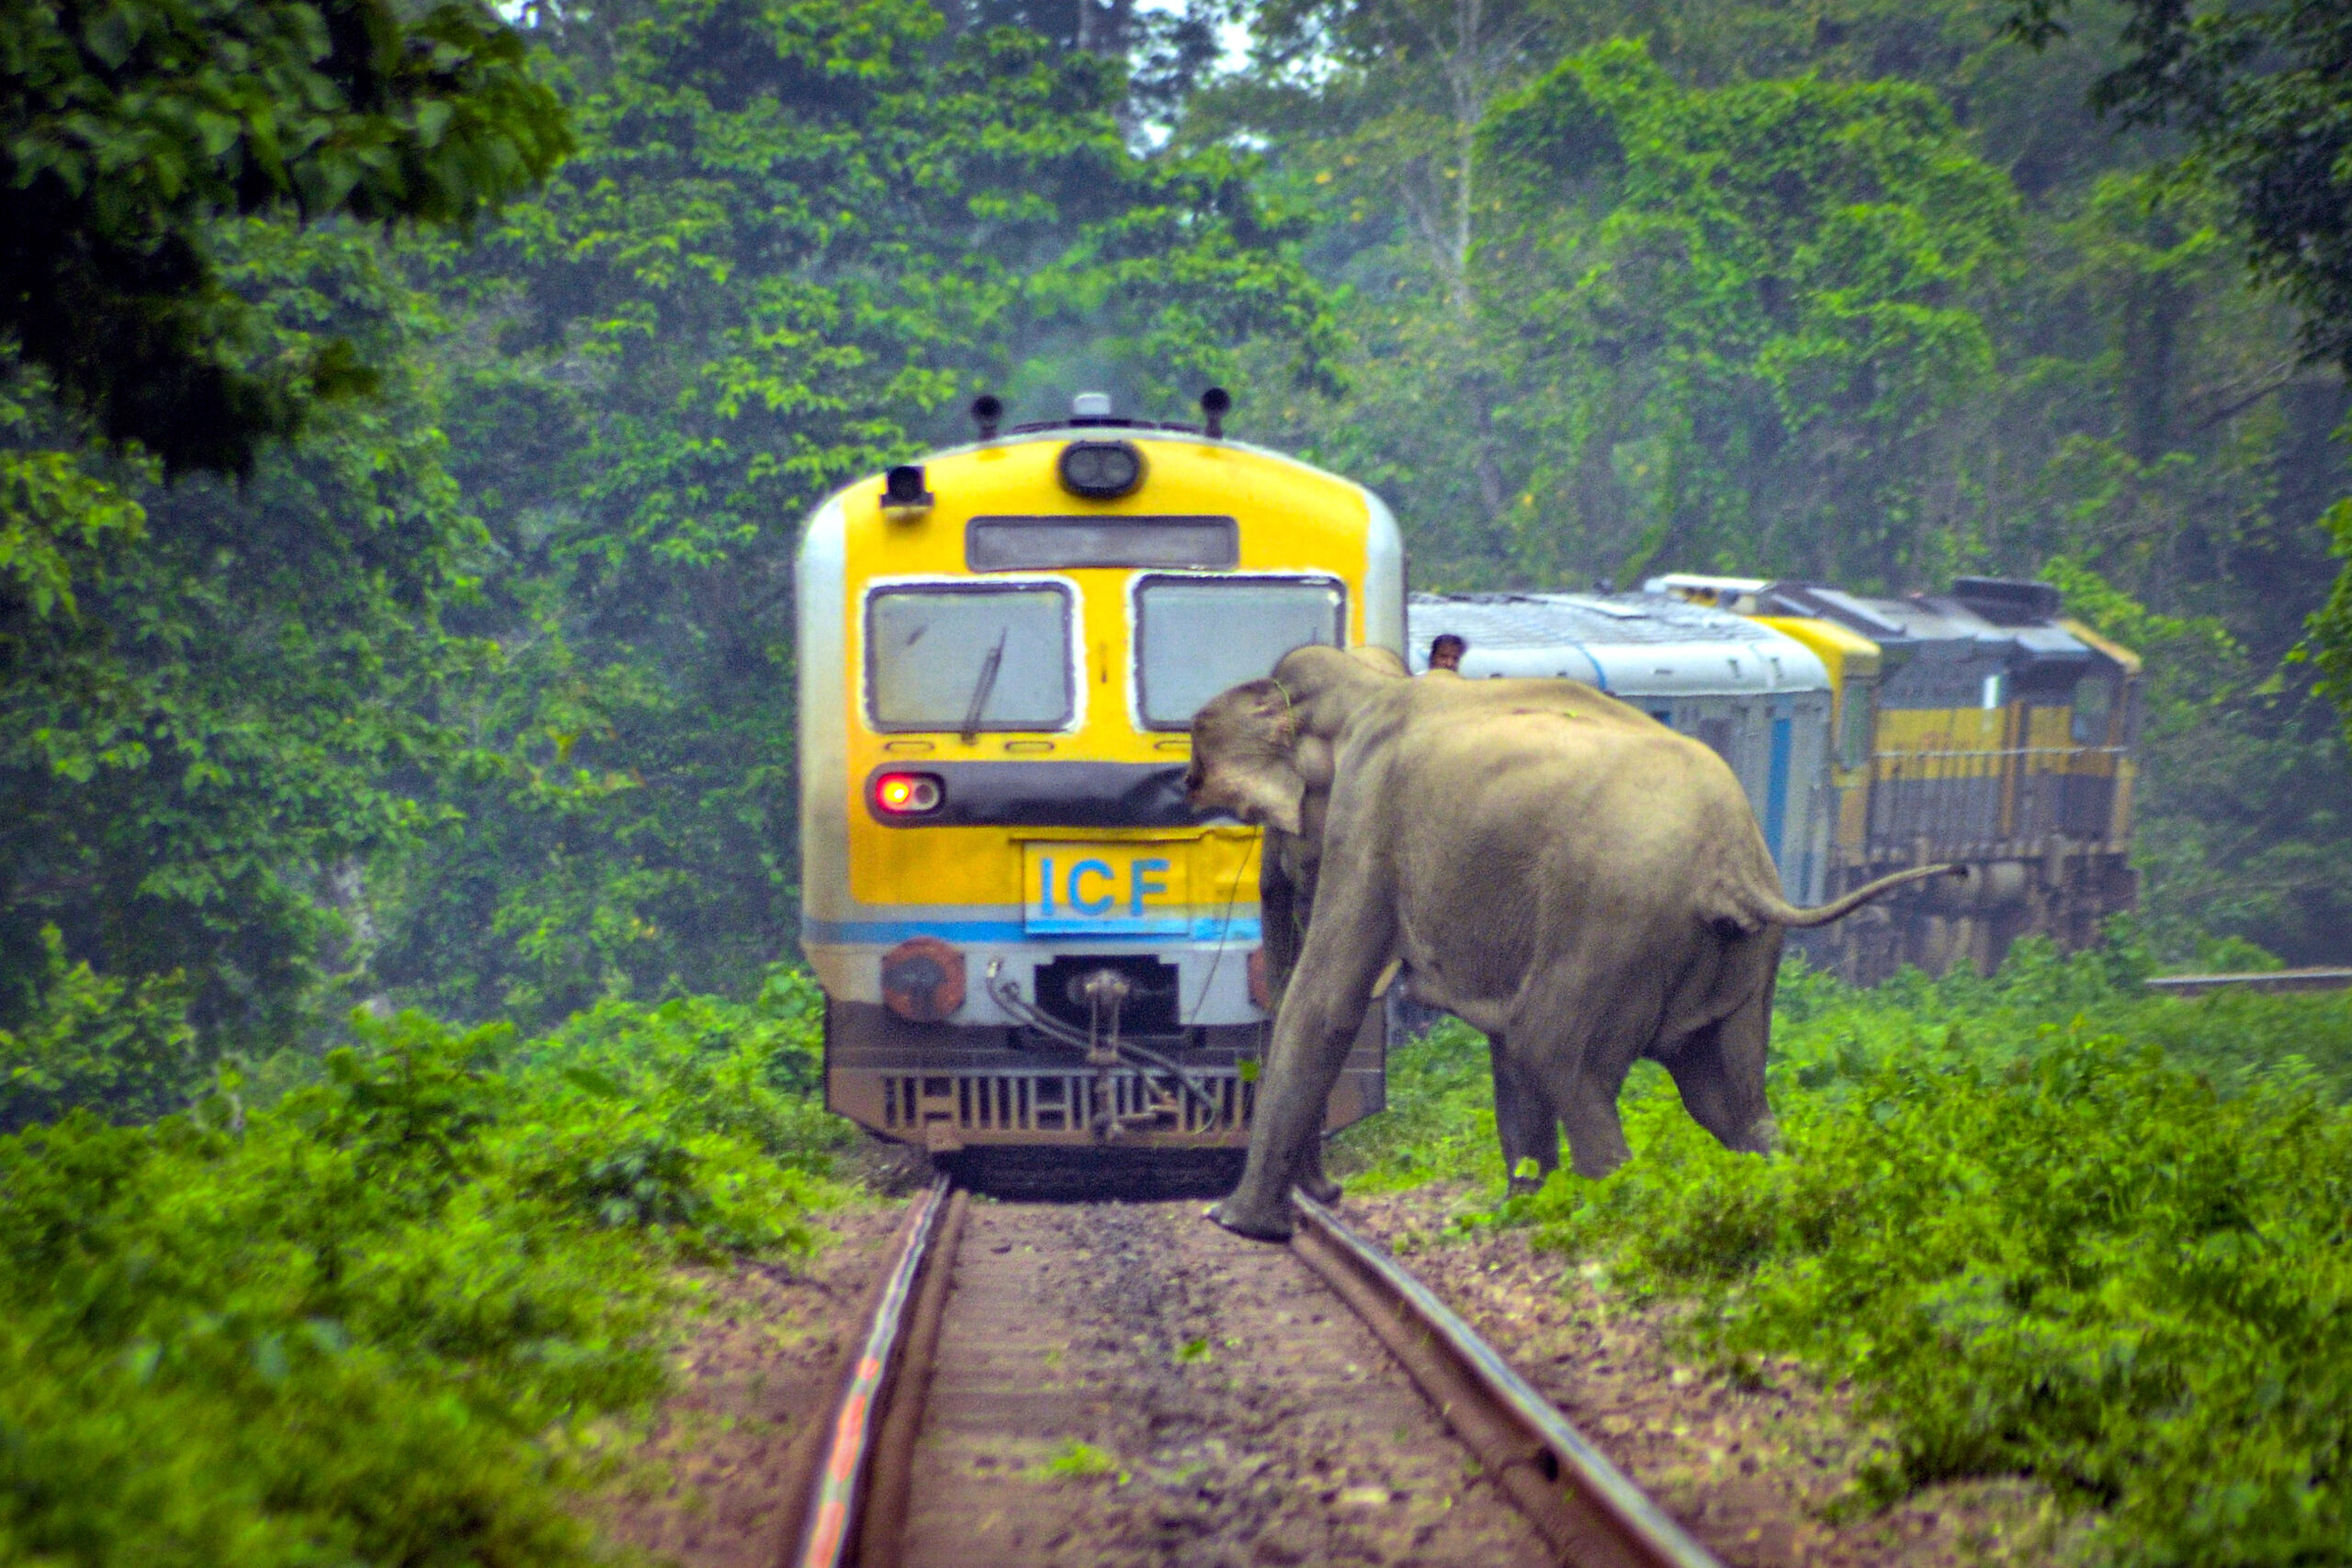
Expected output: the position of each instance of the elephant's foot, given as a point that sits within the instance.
(1320, 1187)
(1592, 1163)
(1256, 1222)
(1521, 1186)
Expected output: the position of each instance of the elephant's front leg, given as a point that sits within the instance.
(1346, 945)
(1596, 1137)
(1525, 1123)
(1285, 900)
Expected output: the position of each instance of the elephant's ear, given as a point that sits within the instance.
(1265, 774)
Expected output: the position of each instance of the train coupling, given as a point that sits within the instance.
(1103, 993)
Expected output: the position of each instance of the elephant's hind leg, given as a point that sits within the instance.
(1579, 1029)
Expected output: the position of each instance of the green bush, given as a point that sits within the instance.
(2046, 1224)
(380, 1320)
(122, 1048)
(1440, 1124)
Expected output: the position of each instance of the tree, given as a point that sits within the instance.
(794, 243)
(129, 129)
(220, 648)
(1752, 313)
(242, 698)
(2263, 91)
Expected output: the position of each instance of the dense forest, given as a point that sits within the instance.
(407, 412)
(410, 420)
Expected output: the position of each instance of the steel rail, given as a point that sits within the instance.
(829, 1513)
(1584, 1506)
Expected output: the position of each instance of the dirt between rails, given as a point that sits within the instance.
(754, 1364)
(1749, 1471)
(1124, 1384)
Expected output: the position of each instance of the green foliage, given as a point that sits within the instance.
(792, 242)
(2331, 625)
(378, 1322)
(2264, 94)
(1440, 1123)
(121, 1048)
(2043, 1223)
(132, 128)
(753, 1072)
(2239, 818)
(1737, 368)
(238, 708)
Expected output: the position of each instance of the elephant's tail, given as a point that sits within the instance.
(1775, 910)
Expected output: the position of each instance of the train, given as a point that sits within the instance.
(1982, 726)
(1025, 938)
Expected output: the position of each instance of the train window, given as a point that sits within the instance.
(968, 658)
(1854, 723)
(1196, 636)
(1059, 544)
(2094, 705)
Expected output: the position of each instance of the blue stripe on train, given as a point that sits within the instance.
(1776, 789)
(891, 932)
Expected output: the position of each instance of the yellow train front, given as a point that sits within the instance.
(1024, 935)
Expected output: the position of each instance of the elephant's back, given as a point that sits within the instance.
(1534, 801)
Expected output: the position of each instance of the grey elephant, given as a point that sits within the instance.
(1562, 872)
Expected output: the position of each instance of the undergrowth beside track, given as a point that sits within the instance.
(393, 1316)
(2045, 1224)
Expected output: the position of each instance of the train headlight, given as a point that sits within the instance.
(908, 795)
(905, 496)
(1101, 470)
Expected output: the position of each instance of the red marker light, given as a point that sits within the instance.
(907, 794)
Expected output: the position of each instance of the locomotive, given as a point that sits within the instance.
(1024, 935)
(1982, 726)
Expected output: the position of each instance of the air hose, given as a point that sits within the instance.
(1008, 997)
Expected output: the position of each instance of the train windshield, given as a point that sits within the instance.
(1196, 636)
(968, 658)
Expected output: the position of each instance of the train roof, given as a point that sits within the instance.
(1627, 644)
(1982, 617)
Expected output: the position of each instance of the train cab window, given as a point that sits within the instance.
(1855, 723)
(2094, 707)
(968, 658)
(1196, 636)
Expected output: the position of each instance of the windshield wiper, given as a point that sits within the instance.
(988, 667)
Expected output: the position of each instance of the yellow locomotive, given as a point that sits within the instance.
(1023, 936)
(1981, 725)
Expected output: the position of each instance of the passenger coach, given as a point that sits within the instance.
(1023, 936)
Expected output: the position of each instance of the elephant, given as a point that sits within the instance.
(1564, 873)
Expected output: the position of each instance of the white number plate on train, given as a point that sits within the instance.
(1137, 889)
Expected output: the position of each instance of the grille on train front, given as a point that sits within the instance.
(1070, 1102)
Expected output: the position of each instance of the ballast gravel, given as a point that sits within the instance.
(1123, 1383)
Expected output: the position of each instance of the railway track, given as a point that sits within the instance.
(1015, 1357)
